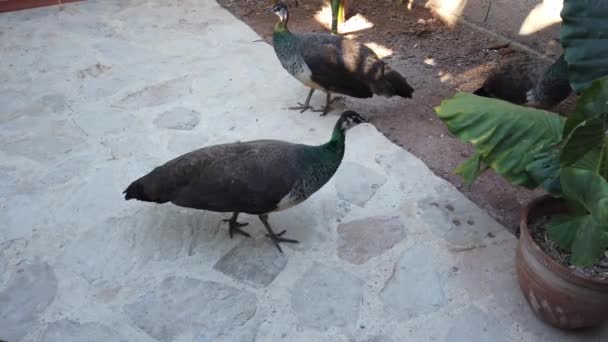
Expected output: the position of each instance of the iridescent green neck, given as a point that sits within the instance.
(338, 135)
(337, 139)
(281, 26)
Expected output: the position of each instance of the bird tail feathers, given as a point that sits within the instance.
(482, 92)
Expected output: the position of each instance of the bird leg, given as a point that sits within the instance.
(235, 226)
(276, 238)
(306, 105)
(336, 99)
(329, 101)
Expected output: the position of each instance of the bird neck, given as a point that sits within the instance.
(281, 26)
(284, 43)
(338, 138)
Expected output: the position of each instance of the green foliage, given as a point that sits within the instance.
(506, 137)
(586, 130)
(534, 148)
(584, 36)
(544, 170)
(471, 169)
(585, 234)
(563, 229)
(591, 103)
(602, 165)
(530, 147)
(587, 135)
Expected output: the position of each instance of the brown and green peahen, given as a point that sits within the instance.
(255, 177)
(333, 64)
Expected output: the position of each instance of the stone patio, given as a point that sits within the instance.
(97, 93)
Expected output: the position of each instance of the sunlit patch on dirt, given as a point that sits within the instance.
(380, 50)
(445, 76)
(542, 16)
(430, 61)
(355, 23)
(449, 10)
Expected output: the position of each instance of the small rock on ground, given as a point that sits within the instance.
(158, 94)
(327, 297)
(178, 118)
(187, 306)
(415, 287)
(255, 261)
(361, 240)
(357, 184)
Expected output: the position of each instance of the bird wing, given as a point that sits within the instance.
(249, 177)
(340, 65)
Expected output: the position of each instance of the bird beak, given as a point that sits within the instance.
(366, 120)
(268, 10)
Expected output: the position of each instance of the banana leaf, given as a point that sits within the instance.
(506, 137)
(586, 235)
(585, 129)
(584, 36)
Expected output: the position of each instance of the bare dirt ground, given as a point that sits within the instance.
(437, 61)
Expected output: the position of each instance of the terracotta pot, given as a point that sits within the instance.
(555, 293)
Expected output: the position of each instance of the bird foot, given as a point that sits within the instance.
(302, 107)
(235, 227)
(327, 108)
(276, 239)
(323, 110)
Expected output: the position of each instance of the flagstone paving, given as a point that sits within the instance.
(97, 93)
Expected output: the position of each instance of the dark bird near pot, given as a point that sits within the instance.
(526, 81)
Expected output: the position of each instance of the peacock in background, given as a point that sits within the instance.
(527, 81)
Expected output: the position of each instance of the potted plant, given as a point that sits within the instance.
(562, 257)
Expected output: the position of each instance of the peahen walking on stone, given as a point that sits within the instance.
(255, 177)
(529, 82)
(333, 64)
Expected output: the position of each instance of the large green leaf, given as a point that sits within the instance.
(507, 137)
(587, 136)
(545, 169)
(585, 129)
(602, 168)
(589, 189)
(589, 161)
(589, 244)
(563, 229)
(585, 234)
(470, 169)
(584, 36)
(592, 102)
